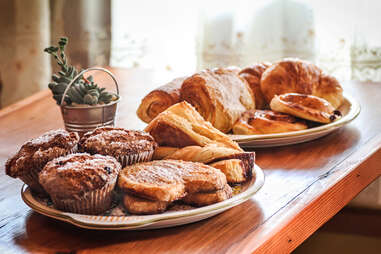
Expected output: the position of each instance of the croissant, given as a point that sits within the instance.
(181, 125)
(296, 76)
(305, 106)
(266, 122)
(159, 100)
(219, 95)
(253, 76)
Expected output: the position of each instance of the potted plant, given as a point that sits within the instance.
(84, 105)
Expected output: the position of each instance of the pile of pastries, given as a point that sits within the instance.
(260, 99)
(179, 158)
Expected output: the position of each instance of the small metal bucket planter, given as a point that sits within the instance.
(84, 118)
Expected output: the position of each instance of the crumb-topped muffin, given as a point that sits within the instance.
(34, 154)
(127, 146)
(81, 183)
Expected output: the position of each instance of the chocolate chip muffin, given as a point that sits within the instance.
(127, 146)
(34, 154)
(81, 183)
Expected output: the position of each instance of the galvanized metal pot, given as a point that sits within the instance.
(84, 118)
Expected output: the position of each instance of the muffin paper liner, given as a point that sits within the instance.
(31, 177)
(126, 160)
(92, 202)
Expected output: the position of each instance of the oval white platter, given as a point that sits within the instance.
(350, 109)
(140, 222)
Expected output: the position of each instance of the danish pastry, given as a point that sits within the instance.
(305, 106)
(266, 122)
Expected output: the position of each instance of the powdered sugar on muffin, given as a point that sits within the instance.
(128, 146)
(35, 153)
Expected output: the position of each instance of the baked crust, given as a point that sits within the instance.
(169, 180)
(308, 107)
(74, 175)
(38, 151)
(208, 198)
(138, 205)
(266, 122)
(116, 142)
(181, 125)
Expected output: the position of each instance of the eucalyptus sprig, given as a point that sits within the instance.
(83, 90)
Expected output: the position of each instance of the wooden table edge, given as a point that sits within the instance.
(25, 102)
(352, 175)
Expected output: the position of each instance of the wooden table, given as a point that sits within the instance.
(305, 186)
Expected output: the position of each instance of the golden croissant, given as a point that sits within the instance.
(159, 100)
(219, 95)
(296, 76)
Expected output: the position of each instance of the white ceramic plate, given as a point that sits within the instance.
(350, 110)
(135, 222)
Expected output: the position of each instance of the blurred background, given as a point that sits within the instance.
(178, 37)
(174, 38)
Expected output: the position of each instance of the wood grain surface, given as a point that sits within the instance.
(305, 185)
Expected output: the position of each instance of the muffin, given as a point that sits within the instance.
(34, 154)
(127, 146)
(81, 183)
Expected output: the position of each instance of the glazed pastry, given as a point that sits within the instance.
(127, 146)
(34, 154)
(219, 95)
(159, 100)
(253, 76)
(169, 180)
(296, 76)
(305, 106)
(81, 183)
(265, 122)
(181, 125)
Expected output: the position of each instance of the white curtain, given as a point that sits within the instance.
(175, 37)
